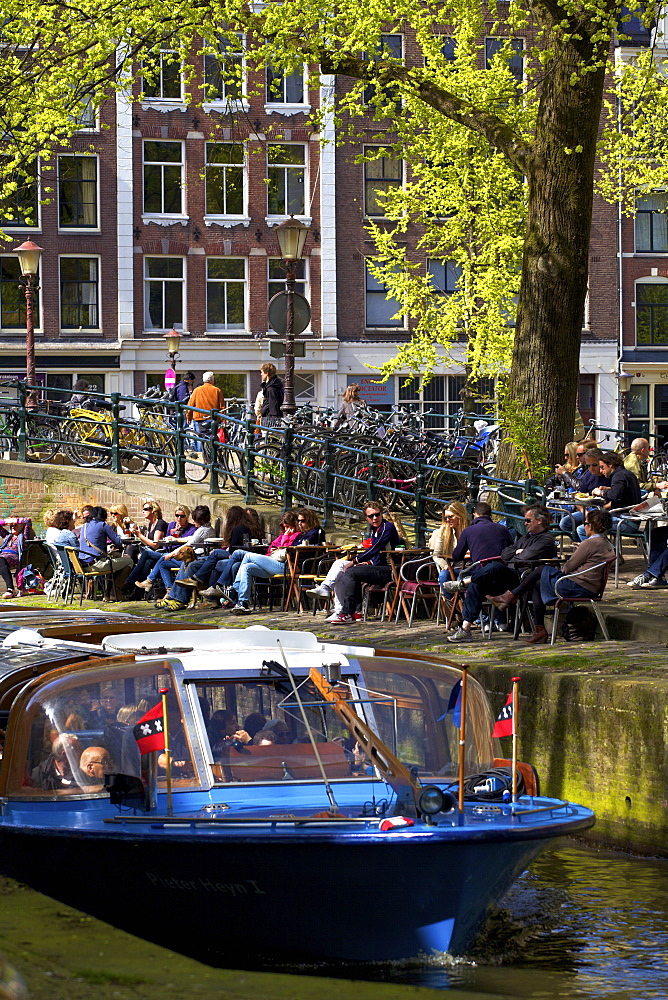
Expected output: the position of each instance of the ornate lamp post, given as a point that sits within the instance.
(173, 342)
(29, 255)
(291, 238)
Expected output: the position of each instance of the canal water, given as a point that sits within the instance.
(580, 925)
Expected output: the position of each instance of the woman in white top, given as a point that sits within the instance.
(61, 531)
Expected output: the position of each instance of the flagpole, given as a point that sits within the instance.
(516, 687)
(168, 754)
(462, 740)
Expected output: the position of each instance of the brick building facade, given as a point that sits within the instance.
(163, 211)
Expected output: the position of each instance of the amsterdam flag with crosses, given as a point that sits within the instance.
(505, 723)
(150, 731)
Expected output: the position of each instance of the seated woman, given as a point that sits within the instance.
(163, 568)
(11, 550)
(62, 530)
(263, 567)
(94, 539)
(154, 537)
(228, 571)
(585, 561)
(207, 569)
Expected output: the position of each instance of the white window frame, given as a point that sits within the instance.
(225, 103)
(81, 229)
(400, 183)
(396, 325)
(37, 314)
(227, 329)
(164, 218)
(229, 219)
(184, 292)
(67, 330)
(645, 194)
(20, 227)
(273, 104)
(165, 103)
(274, 220)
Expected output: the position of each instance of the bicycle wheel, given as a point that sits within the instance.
(233, 464)
(268, 472)
(195, 464)
(43, 438)
(443, 488)
(658, 465)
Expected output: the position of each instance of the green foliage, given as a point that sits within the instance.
(522, 427)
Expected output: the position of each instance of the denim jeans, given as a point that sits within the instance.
(254, 565)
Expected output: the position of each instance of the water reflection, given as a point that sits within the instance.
(580, 925)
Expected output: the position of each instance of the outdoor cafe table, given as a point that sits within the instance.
(296, 554)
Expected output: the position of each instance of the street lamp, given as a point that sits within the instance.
(291, 239)
(173, 341)
(29, 254)
(624, 382)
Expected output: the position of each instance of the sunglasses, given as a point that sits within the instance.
(528, 520)
(179, 513)
(371, 516)
(301, 520)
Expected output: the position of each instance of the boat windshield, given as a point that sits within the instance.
(79, 727)
(256, 731)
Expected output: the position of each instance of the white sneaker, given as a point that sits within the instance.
(212, 592)
(320, 591)
(334, 614)
(145, 585)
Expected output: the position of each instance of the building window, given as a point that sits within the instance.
(638, 401)
(652, 314)
(285, 88)
(650, 223)
(304, 386)
(77, 192)
(163, 177)
(21, 208)
(276, 277)
(224, 71)
(448, 48)
(380, 177)
(381, 308)
(442, 395)
(286, 169)
(515, 62)
(224, 177)
(444, 275)
(587, 397)
(85, 119)
(13, 297)
(165, 81)
(79, 293)
(225, 293)
(389, 47)
(163, 293)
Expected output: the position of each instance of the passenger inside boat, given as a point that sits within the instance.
(55, 771)
(94, 763)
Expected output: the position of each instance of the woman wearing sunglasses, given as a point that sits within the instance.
(170, 533)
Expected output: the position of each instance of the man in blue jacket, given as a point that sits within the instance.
(369, 566)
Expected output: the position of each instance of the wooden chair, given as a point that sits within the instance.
(315, 572)
(85, 574)
(458, 604)
(419, 582)
(592, 601)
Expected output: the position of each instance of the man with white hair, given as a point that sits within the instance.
(205, 397)
(636, 462)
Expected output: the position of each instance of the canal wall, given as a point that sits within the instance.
(598, 739)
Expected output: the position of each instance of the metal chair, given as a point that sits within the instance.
(622, 532)
(419, 582)
(84, 574)
(592, 601)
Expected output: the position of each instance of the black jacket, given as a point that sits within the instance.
(624, 489)
(484, 539)
(528, 547)
(273, 397)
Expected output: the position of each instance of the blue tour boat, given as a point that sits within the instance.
(234, 851)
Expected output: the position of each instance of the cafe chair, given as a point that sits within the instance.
(386, 592)
(631, 530)
(315, 572)
(418, 582)
(488, 610)
(592, 601)
(87, 574)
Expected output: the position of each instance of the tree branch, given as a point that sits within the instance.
(416, 81)
(558, 15)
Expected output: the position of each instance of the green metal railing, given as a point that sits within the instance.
(285, 464)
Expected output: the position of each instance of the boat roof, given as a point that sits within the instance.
(88, 626)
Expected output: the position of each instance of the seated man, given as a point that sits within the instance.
(95, 762)
(56, 771)
(502, 574)
(369, 565)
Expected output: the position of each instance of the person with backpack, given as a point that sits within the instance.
(272, 391)
(182, 391)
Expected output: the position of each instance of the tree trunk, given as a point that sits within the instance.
(545, 364)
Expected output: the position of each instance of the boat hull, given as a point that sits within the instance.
(246, 897)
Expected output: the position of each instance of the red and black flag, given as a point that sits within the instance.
(150, 730)
(505, 722)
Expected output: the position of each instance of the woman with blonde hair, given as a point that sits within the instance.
(443, 540)
(351, 404)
